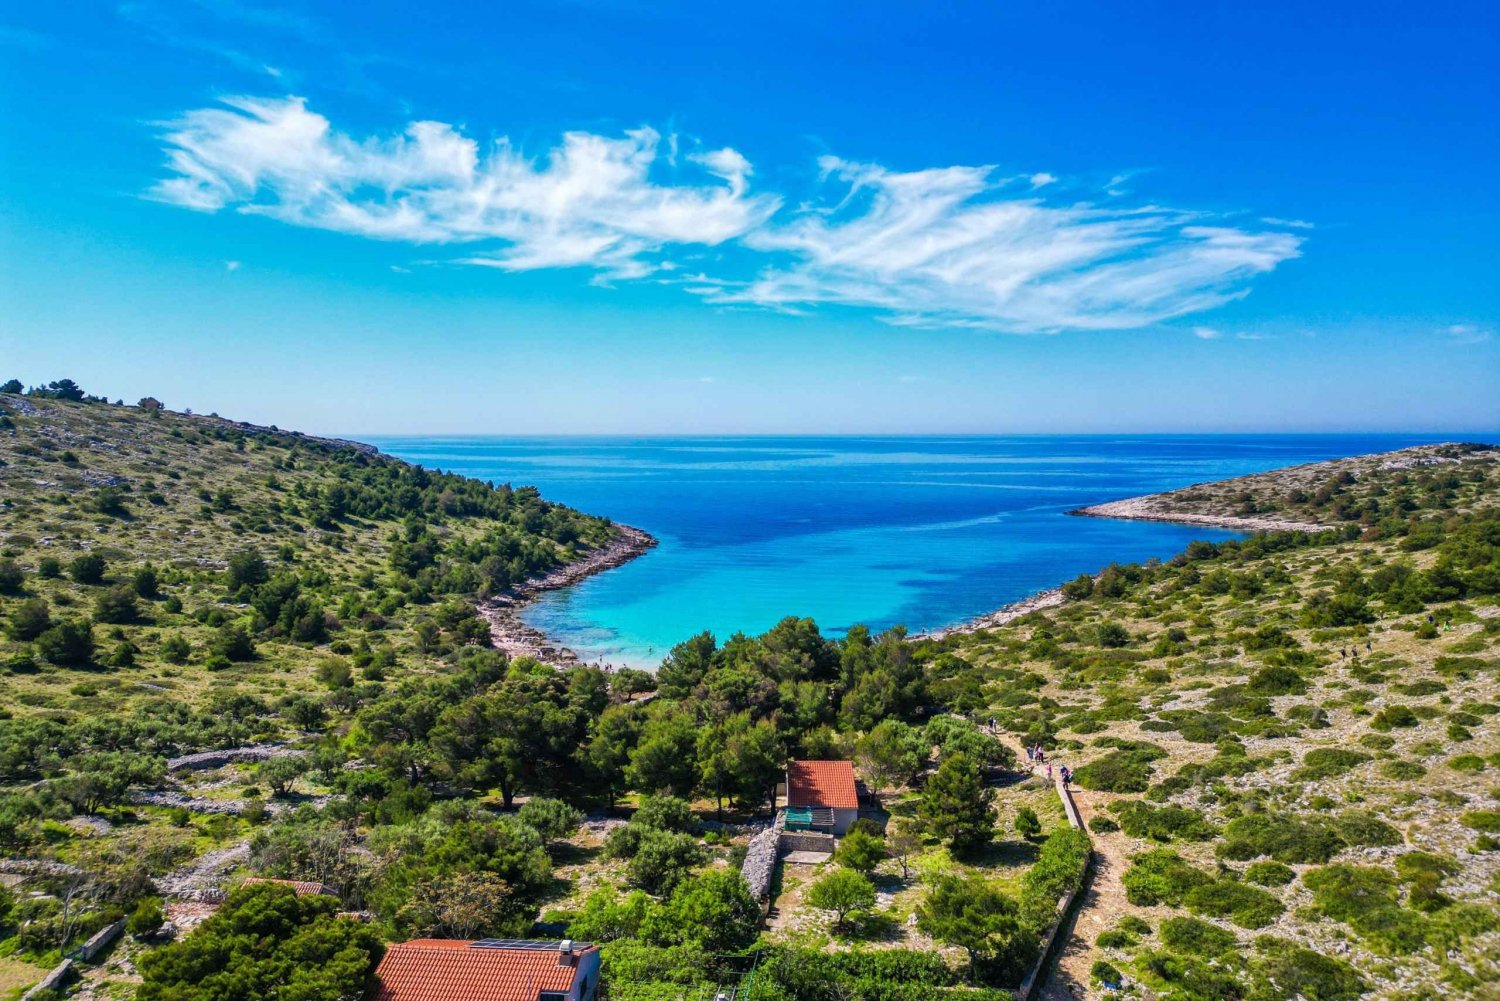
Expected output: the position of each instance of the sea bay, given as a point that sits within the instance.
(922, 531)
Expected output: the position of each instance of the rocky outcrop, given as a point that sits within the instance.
(203, 760)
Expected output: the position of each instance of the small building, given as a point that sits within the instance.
(491, 969)
(821, 796)
(302, 888)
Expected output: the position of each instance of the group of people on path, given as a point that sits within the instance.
(1037, 755)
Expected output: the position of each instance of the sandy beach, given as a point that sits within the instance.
(517, 639)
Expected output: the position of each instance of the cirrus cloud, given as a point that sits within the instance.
(952, 246)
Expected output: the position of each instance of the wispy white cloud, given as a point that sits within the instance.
(592, 201)
(1207, 333)
(231, 265)
(946, 247)
(1468, 333)
(954, 246)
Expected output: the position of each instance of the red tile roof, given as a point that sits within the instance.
(827, 784)
(429, 969)
(304, 889)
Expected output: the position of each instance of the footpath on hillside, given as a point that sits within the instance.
(1103, 895)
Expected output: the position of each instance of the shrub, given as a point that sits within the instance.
(265, 942)
(1165, 823)
(1487, 821)
(1246, 906)
(860, 851)
(1276, 681)
(1394, 716)
(69, 643)
(1466, 763)
(551, 818)
(1270, 873)
(1283, 838)
(1286, 970)
(1119, 771)
(1195, 937)
(1326, 762)
(1100, 824)
(1027, 824)
(1402, 770)
(87, 569)
(147, 918)
(28, 620)
(1161, 876)
(1358, 829)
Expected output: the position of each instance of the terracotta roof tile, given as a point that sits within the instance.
(304, 889)
(821, 783)
(452, 970)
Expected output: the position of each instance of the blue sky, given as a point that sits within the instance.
(621, 217)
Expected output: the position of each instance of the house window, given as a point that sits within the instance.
(551, 996)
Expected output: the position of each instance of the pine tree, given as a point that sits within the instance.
(957, 805)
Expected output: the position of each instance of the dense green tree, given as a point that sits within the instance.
(265, 944)
(11, 386)
(741, 759)
(891, 754)
(233, 642)
(69, 642)
(12, 577)
(957, 806)
(713, 910)
(663, 859)
(842, 891)
(860, 851)
(116, 606)
(974, 915)
(247, 568)
(607, 753)
(87, 569)
(665, 760)
(146, 582)
(685, 666)
(28, 619)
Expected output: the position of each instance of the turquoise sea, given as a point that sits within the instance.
(926, 531)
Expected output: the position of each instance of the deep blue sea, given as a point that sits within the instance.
(926, 531)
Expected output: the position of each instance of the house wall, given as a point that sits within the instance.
(842, 819)
(586, 980)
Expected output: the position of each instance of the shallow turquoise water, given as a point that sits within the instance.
(924, 531)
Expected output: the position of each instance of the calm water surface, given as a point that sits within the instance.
(924, 531)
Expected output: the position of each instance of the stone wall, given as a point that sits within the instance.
(759, 867)
(807, 841)
(53, 981)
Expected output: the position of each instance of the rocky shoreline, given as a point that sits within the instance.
(1050, 598)
(1150, 508)
(517, 639)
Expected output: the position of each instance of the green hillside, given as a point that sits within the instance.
(155, 561)
(1288, 746)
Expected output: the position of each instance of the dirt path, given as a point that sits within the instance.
(1103, 902)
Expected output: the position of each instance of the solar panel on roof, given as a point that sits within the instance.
(537, 945)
